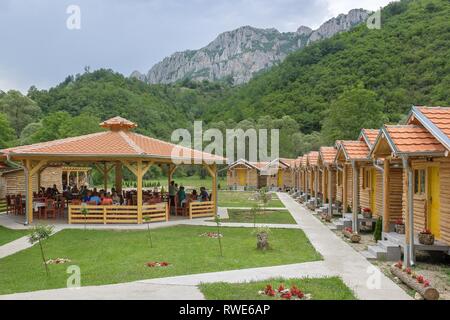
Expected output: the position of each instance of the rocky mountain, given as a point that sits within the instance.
(239, 54)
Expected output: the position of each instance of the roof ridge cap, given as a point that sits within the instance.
(131, 143)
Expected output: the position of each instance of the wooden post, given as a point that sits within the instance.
(355, 202)
(119, 176)
(214, 188)
(30, 171)
(344, 189)
(386, 195)
(139, 190)
(68, 178)
(105, 177)
(330, 191)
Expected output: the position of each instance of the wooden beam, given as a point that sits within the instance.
(139, 190)
(130, 167)
(147, 167)
(386, 195)
(344, 189)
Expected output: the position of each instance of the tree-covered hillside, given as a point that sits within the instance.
(406, 62)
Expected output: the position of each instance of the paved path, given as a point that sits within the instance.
(175, 288)
(351, 266)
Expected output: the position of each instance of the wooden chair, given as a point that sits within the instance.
(10, 205)
(19, 208)
(76, 202)
(61, 207)
(50, 209)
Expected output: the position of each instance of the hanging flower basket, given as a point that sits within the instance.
(426, 238)
(367, 213)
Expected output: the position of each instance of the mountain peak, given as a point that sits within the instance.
(245, 51)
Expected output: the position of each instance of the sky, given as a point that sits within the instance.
(44, 41)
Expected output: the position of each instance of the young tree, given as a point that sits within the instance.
(39, 234)
(148, 220)
(218, 223)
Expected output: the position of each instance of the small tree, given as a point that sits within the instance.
(38, 234)
(377, 235)
(264, 197)
(148, 220)
(84, 212)
(217, 221)
(262, 237)
(254, 211)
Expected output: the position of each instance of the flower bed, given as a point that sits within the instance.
(158, 264)
(58, 261)
(212, 235)
(283, 293)
(415, 281)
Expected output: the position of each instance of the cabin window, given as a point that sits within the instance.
(366, 178)
(419, 181)
(339, 178)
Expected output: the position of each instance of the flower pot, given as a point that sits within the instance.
(426, 239)
(367, 215)
(400, 228)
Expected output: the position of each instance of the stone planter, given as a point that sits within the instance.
(426, 239)
(400, 228)
(367, 215)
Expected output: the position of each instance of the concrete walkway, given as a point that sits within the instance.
(175, 288)
(352, 267)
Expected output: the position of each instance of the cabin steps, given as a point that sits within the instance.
(342, 223)
(386, 250)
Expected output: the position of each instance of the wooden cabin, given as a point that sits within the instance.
(351, 156)
(243, 174)
(304, 175)
(312, 174)
(297, 173)
(279, 175)
(418, 152)
(328, 169)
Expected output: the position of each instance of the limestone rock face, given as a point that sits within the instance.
(239, 54)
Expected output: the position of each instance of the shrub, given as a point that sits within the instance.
(378, 229)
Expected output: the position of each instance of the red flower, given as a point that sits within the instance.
(286, 296)
(399, 221)
(281, 288)
(408, 270)
(164, 264)
(294, 290)
(151, 264)
(268, 289)
(399, 264)
(300, 295)
(426, 231)
(271, 293)
(426, 284)
(420, 279)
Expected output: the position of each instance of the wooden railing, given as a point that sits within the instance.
(2, 205)
(201, 209)
(156, 212)
(116, 214)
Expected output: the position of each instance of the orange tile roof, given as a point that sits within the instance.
(355, 150)
(435, 119)
(118, 141)
(328, 154)
(370, 134)
(304, 160)
(313, 158)
(413, 139)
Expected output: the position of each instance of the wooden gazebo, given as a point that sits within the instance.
(115, 147)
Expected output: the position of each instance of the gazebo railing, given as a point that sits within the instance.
(201, 209)
(116, 214)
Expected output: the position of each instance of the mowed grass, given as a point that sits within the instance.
(320, 289)
(268, 216)
(242, 199)
(108, 257)
(8, 235)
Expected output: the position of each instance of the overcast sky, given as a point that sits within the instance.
(38, 49)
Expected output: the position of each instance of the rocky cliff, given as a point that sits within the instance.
(240, 54)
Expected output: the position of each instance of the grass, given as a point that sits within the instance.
(8, 235)
(268, 216)
(108, 257)
(320, 289)
(242, 199)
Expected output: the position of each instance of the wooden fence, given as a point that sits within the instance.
(202, 209)
(116, 214)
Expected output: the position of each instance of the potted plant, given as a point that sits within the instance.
(399, 226)
(367, 213)
(426, 238)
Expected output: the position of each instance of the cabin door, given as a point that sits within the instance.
(434, 201)
(242, 177)
(280, 178)
(373, 191)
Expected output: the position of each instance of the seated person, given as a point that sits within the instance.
(55, 190)
(194, 195)
(204, 194)
(116, 198)
(87, 197)
(106, 200)
(181, 196)
(95, 198)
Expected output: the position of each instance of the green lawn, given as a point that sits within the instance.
(320, 289)
(275, 216)
(243, 199)
(8, 235)
(108, 257)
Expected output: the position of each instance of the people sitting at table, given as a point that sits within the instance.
(204, 196)
(194, 195)
(172, 194)
(55, 190)
(75, 190)
(86, 197)
(116, 198)
(95, 198)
